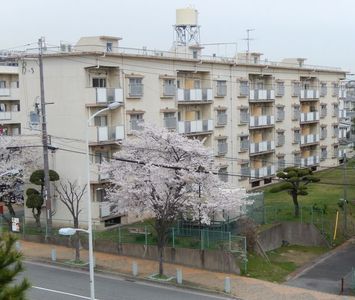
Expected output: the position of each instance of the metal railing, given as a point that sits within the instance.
(222, 148)
(221, 90)
(323, 112)
(280, 140)
(244, 117)
(135, 90)
(136, 124)
(222, 119)
(170, 123)
(280, 115)
(244, 145)
(323, 133)
(169, 90)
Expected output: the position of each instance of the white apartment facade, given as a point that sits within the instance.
(255, 116)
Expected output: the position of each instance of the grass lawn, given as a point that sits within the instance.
(324, 195)
(283, 261)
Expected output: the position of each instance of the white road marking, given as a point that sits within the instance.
(60, 292)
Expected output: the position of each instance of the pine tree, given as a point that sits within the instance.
(10, 267)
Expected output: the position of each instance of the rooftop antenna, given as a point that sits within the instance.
(248, 39)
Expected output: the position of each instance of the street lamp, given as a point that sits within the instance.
(111, 106)
(71, 231)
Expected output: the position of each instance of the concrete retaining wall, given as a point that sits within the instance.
(204, 259)
(294, 233)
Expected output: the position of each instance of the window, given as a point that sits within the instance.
(244, 143)
(221, 117)
(2, 84)
(100, 195)
(323, 89)
(99, 82)
(296, 136)
(136, 120)
(222, 147)
(323, 110)
(323, 132)
(244, 88)
(195, 54)
(335, 90)
(280, 113)
(244, 171)
(135, 87)
(296, 89)
(197, 84)
(280, 141)
(169, 120)
(323, 153)
(281, 163)
(297, 159)
(335, 130)
(221, 88)
(169, 87)
(335, 110)
(100, 121)
(223, 174)
(244, 115)
(100, 157)
(280, 89)
(296, 113)
(109, 47)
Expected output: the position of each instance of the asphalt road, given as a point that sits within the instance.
(326, 274)
(56, 283)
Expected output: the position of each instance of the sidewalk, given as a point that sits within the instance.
(243, 287)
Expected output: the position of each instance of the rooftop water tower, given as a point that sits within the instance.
(187, 29)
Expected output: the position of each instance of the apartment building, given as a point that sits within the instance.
(10, 116)
(256, 116)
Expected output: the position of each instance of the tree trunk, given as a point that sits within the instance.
(295, 203)
(77, 241)
(37, 217)
(162, 231)
(10, 209)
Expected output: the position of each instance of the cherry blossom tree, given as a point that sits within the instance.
(18, 157)
(166, 175)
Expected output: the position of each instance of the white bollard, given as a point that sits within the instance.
(135, 269)
(18, 245)
(54, 254)
(178, 276)
(227, 285)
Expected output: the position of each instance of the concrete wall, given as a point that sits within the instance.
(219, 261)
(293, 232)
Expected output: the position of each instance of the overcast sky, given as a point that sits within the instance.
(323, 31)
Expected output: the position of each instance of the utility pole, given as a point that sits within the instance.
(47, 193)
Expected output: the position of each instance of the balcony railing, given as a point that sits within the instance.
(170, 123)
(323, 133)
(309, 139)
(262, 147)
(280, 115)
(244, 145)
(169, 90)
(323, 112)
(221, 119)
(309, 94)
(262, 172)
(136, 124)
(341, 153)
(245, 171)
(105, 209)
(5, 115)
(261, 95)
(197, 126)
(342, 113)
(113, 133)
(259, 121)
(244, 117)
(280, 140)
(108, 95)
(342, 134)
(194, 95)
(135, 90)
(310, 117)
(4, 92)
(309, 161)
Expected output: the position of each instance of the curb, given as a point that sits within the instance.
(187, 285)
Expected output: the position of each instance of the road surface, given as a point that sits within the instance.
(56, 283)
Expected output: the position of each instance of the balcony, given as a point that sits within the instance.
(342, 134)
(195, 127)
(261, 95)
(10, 93)
(106, 134)
(309, 139)
(309, 94)
(262, 172)
(170, 123)
(194, 95)
(342, 114)
(262, 147)
(4, 92)
(310, 117)
(310, 161)
(261, 121)
(108, 95)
